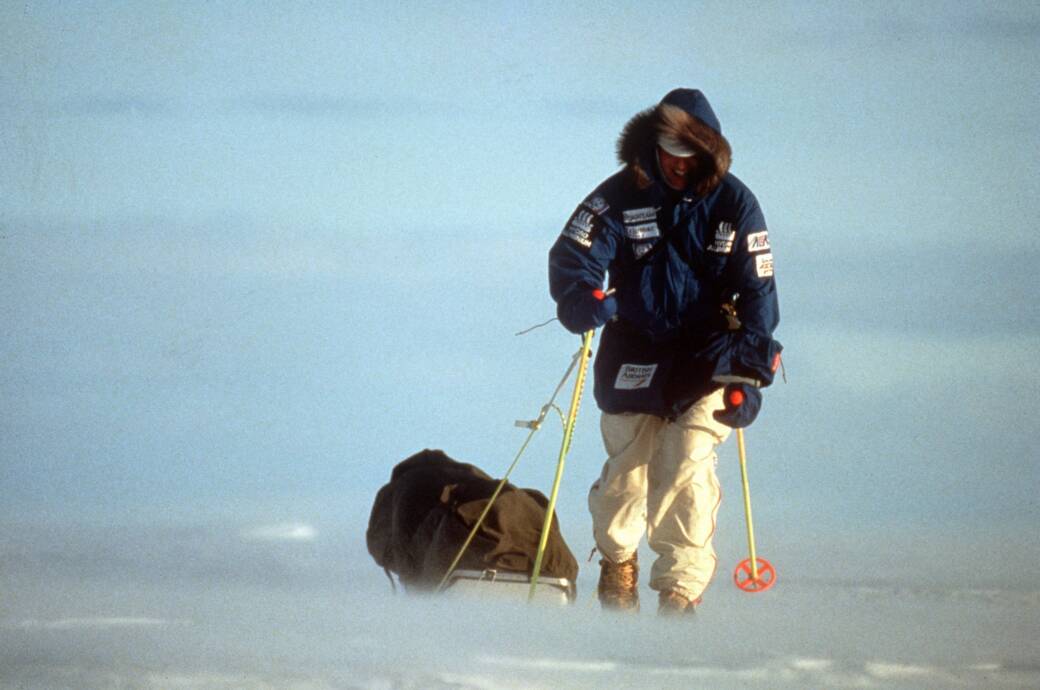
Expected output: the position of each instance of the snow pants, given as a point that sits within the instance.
(659, 479)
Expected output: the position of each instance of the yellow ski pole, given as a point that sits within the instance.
(568, 432)
(748, 575)
(741, 450)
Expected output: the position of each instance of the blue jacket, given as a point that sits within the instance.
(675, 260)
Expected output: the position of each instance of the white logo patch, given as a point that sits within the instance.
(580, 228)
(758, 242)
(640, 249)
(634, 376)
(639, 215)
(642, 232)
(597, 204)
(764, 265)
(724, 236)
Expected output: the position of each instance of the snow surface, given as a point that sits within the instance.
(200, 609)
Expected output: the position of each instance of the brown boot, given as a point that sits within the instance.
(672, 603)
(617, 588)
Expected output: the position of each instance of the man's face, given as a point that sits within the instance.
(676, 170)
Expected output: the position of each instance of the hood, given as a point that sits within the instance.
(687, 116)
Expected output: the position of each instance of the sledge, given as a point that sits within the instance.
(510, 586)
(442, 524)
(435, 521)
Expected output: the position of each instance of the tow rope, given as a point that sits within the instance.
(581, 357)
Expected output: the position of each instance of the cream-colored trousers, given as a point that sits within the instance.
(659, 479)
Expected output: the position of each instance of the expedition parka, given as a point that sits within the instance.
(691, 270)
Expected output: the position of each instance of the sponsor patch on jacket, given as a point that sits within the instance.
(724, 236)
(764, 265)
(582, 227)
(645, 231)
(596, 204)
(758, 242)
(634, 376)
(635, 216)
(641, 248)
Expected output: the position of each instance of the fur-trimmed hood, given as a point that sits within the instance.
(688, 117)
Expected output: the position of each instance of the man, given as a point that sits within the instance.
(689, 315)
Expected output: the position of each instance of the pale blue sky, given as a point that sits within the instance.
(251, 255)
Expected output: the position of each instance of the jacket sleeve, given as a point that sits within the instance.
(751, 354)
(578, 263)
